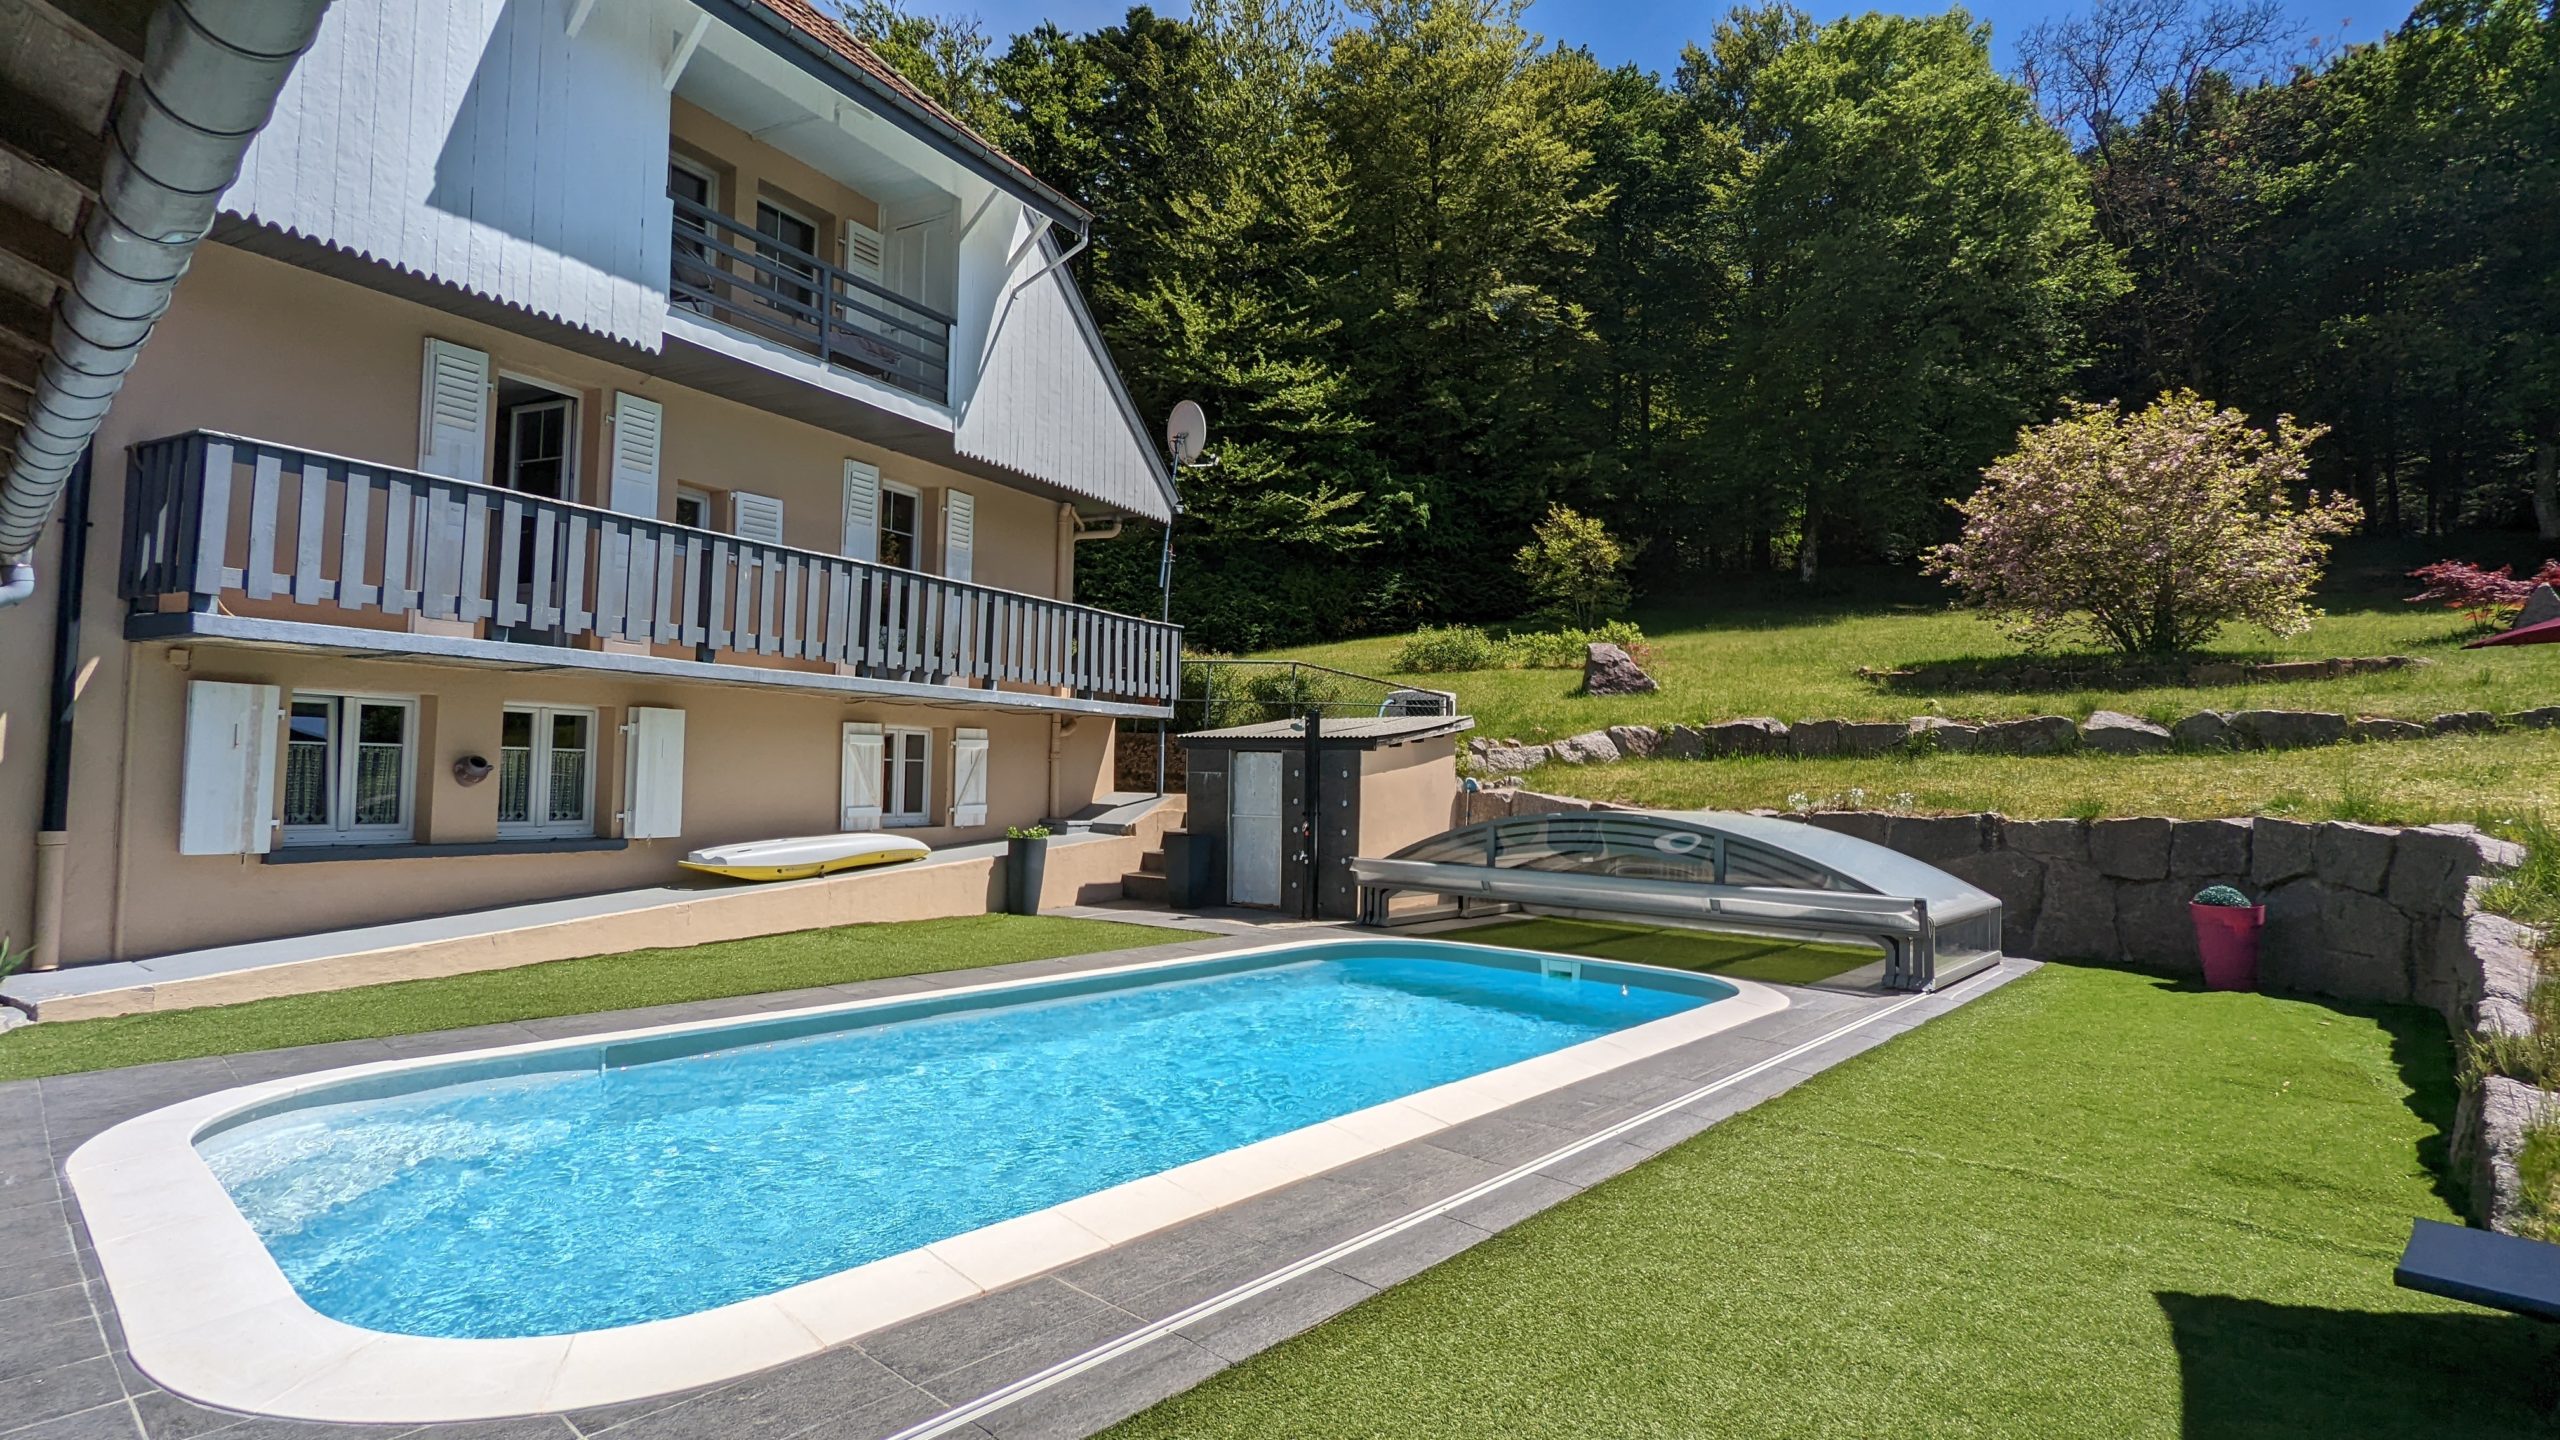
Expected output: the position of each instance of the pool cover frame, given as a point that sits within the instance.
(1641, 865)
(209, 1315)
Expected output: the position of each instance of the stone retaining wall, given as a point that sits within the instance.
(2357, 912)
(2108, 732)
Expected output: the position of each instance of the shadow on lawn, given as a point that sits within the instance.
(2253, 1370)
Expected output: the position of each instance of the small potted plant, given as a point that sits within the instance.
(1026, 859)
(2227, 927)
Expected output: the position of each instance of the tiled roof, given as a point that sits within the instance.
(810, 21)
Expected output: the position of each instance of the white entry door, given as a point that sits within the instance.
(1254, 828)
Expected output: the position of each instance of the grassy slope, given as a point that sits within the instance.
(1758, 650)
(1779, 962)
(2494, 780)
(564, 987)
(2089, 1204)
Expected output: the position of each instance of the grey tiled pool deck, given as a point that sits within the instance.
(64, 1374)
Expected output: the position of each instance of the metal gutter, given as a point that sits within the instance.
(211, 70)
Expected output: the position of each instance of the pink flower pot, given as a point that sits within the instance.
(2228, 937)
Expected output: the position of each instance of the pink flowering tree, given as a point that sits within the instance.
(2146, 532)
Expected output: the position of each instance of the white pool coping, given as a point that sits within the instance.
(209, 1315)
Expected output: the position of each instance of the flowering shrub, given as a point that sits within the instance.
(2146, 532)
(2489, 595)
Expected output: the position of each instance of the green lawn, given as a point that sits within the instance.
(1779, 962)
(2494, 780)
(2094, 1203)
(565, 987)
(1759, 649)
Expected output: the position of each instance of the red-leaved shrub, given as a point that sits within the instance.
(2490, 595)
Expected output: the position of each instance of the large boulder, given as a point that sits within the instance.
(2054, 839)
(1592, 747)
(1754, 735)
(1609, 670)
(2112, 732)
(2136, 848)
(1507, 759)
(2354, 856)
(1684, 742)
(2036, 735)
(1636, 742)
(2204, 730)
(1873, 737)
(2281, 850)
(2543, 604)
(1816, 737)
(2377, 727)
(2203, 850)
(2287, 729)
(1950, 735)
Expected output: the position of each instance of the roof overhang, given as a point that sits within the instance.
(777, 33)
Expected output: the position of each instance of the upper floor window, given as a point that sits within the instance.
(901, 522)
(795, 252)
(695, 262)
(347, 769)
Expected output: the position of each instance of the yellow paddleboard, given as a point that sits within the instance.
(804, 857)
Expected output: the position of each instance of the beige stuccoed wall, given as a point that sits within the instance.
(1405, 794)
(258, 347)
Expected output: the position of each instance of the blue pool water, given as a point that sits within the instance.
(634, 1188)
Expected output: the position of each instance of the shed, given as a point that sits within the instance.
(1381, 782)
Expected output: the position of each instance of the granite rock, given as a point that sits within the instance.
(2287, 729)
(2354, 856)
(1591, 747)
(2136, 848)
(2112, 732)
(2376, 727)
(2204, 730)
(1609, 670)
(1636, 742)
(1953, 736)
(2209, 849)
(1753, 735)
(2035, 735)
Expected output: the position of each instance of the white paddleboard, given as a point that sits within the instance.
(798, 859)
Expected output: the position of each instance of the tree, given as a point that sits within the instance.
(1914, 262)
(2148, 532)
(1574, 568)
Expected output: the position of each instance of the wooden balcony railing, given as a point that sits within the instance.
(210, 516)
(728, 272)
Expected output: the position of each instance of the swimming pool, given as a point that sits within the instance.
(685, 1202)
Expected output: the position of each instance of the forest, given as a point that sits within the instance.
(1431, 274)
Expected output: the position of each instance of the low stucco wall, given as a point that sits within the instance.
(1085, 872)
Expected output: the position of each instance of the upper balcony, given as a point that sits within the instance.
(254, 542)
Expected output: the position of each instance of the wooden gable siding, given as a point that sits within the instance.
(477, 143)
(1046, 401)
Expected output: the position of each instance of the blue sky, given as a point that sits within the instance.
(1651, 32)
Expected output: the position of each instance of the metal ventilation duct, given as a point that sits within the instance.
(211, 71)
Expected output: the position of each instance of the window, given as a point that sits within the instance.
(538, 441)
(693, 507)
(901, 510)
(347, 770)
(545, 771)
(695, 263)
(795, 252)
(905, 771)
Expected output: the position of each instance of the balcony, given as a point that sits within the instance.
(738, 277)
(247, 540)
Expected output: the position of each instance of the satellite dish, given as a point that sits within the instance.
(1186, 432)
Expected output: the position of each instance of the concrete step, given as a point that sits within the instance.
(1152, 862)
(1142, 886)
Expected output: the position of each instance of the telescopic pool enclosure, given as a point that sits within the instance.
(1706, 870)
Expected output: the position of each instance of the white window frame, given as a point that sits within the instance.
(814, 280)
(341, 829)
(538, 785)
(894, 811)
(915, 541)
(702, 498)
(505, 419)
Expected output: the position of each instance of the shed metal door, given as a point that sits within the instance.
(1253, 828)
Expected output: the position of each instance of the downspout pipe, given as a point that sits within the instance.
(53, 827)
(211, 71)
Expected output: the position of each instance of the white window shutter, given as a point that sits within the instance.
(959, 534)
(227, 804)
(755, 517)
(453, 412)
(968, 777)
(861, 511)
(638, 431)
(653, 767)
(865, 253)
(864, 751)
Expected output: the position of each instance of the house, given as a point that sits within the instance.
(591, 431)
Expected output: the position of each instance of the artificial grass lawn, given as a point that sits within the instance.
(2092, 1203)
(565, 987)
(1779, 962)
(1761, 648)
(2499, 781)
